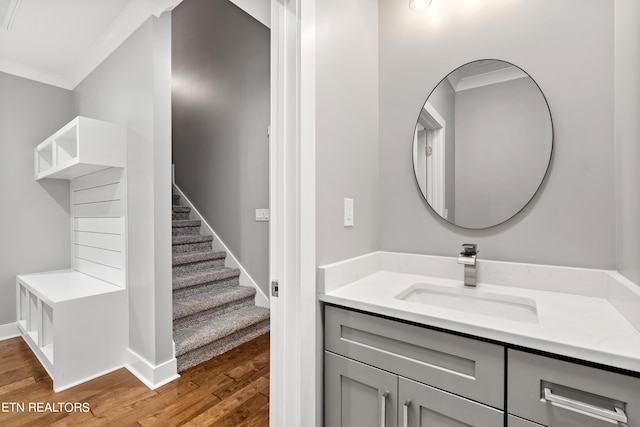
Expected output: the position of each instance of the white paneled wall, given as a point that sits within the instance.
(98, 225)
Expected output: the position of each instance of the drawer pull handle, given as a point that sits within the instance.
(383, 409)
(405, 413)
(571, 404)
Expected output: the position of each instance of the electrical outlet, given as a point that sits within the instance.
(262, 215)
(348, 212)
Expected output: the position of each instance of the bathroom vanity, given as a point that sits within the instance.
(399, 352)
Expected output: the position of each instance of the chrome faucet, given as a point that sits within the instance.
(468, 258)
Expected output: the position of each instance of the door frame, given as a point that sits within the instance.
(435, 190)
(295, 365)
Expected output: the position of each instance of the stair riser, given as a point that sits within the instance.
(222, 345)
(190, 247)
(206, 287)
(211, 314)
(198, 266)
(179, 231)
(176, 199)
(180, 215)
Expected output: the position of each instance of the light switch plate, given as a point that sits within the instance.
(348, 212)
(262, 215)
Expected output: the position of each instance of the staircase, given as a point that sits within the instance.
(212, 313)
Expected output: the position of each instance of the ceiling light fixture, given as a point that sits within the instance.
(419, 4)
(10, 14)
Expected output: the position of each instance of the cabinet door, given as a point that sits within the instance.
(358, 395)
(420, 405)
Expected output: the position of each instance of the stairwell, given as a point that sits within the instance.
(212, 313)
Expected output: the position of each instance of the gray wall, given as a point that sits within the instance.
(443, 99)
(220, 116)
(133, 87)
(34, 219)
(567, 47)
(346, 128)
(627, 49)
(503, 148)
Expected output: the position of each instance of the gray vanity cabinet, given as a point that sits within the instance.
(423, 406)
(513, 421)
(554, 393)
(359, 395)
(419, 376)
(469, 368)
(437, 379)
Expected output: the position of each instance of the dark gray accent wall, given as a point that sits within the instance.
(221, 112)
(34, 219)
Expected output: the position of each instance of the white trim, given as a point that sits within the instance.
(132, 16)
(37, 74)
(84, 380)
(278, 373)
(231, 261)
(311, 340)
(485, 79)
(158, 7)
(437, 169)
(10, 14)
(296, 349)
(151, 375)
(257, 9)
(9, 330)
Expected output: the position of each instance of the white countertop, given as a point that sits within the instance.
(589, 328)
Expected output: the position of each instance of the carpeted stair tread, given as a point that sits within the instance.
(181, 209)
(203, 333)
(206, 276)
(191, 304)
(175, 198)
(192, 257)
(186, 223)
(220, 346)
(183, 239)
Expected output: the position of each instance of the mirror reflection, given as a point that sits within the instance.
(482, 144)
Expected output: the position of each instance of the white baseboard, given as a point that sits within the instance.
(150, 375)
(231, 261)
(9, 330)
(84, 380)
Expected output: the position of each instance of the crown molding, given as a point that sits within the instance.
(37, 74)
(485, 79)
(136, 13)
(126, 23)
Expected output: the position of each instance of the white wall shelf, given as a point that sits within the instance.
(82, 146)
(76, 320)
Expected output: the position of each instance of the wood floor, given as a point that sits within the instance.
(230, 390)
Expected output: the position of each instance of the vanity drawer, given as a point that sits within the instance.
(557, 393)
(466, 367)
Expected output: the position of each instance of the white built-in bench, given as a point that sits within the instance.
(76, 320)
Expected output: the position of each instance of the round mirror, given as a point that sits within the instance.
(482, 144)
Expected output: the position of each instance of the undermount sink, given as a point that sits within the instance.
(471, 300)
